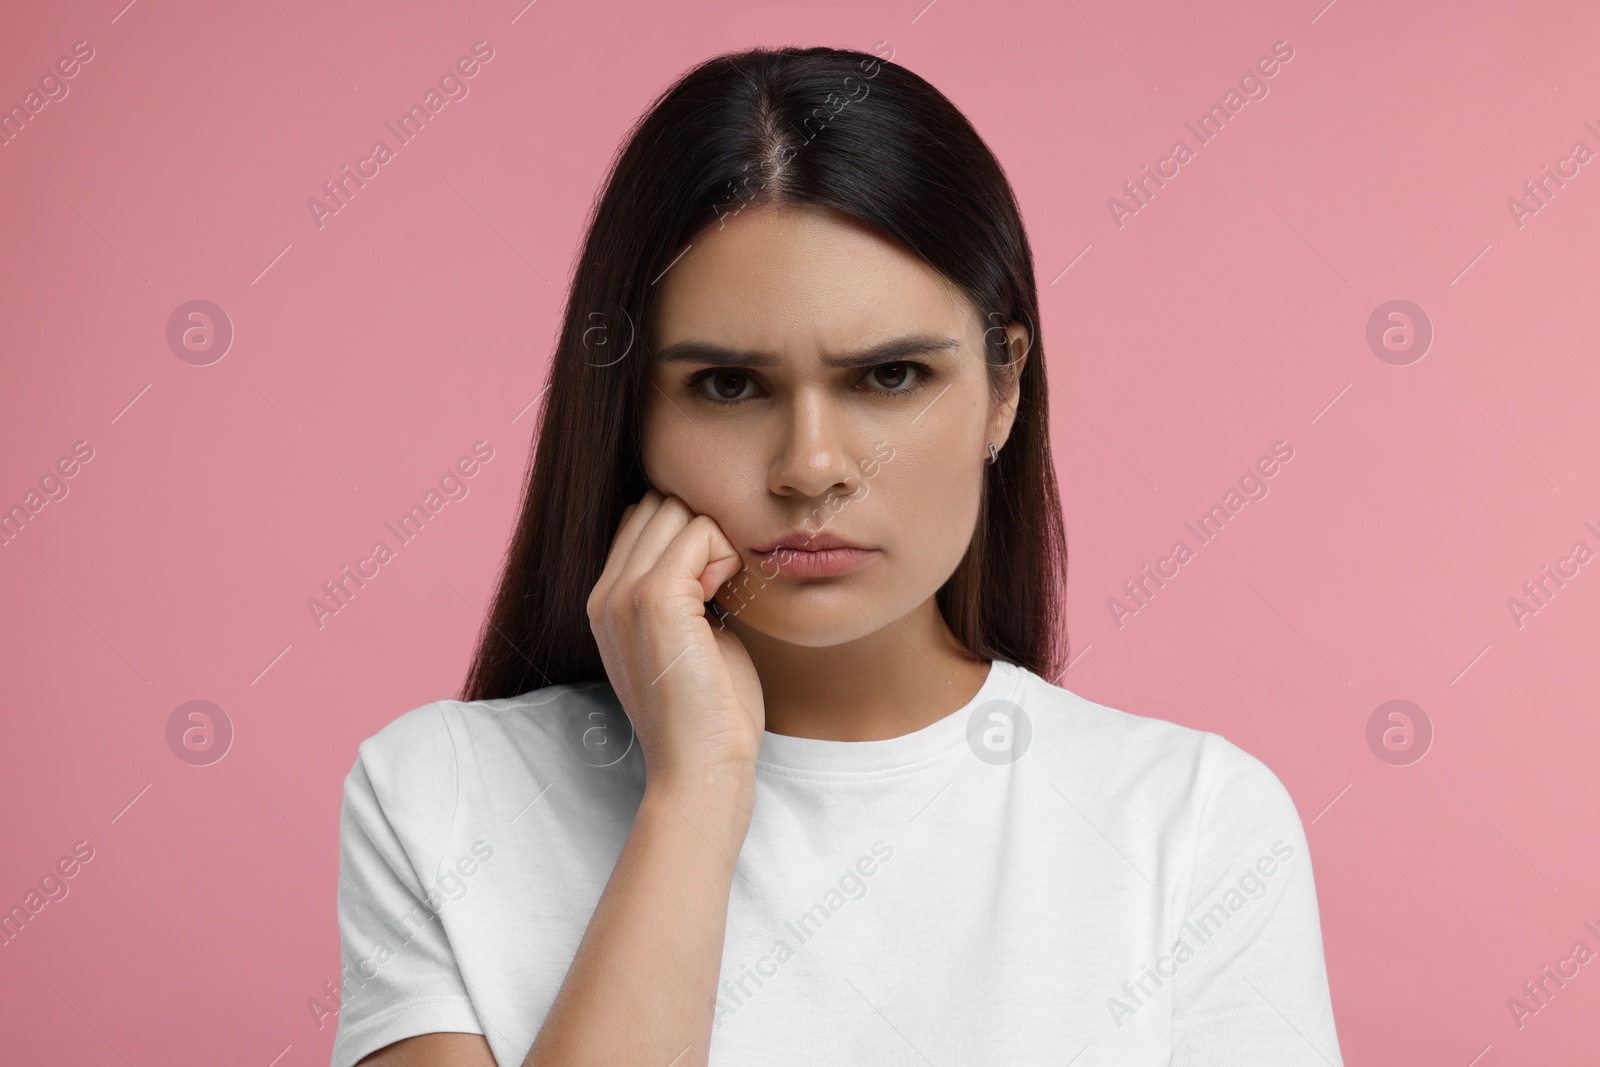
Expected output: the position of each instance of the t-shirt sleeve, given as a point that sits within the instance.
(399, 977)
(1251, 986)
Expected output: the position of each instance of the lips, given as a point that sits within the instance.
(803, 555)
(800, 541)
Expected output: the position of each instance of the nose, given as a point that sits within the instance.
(813, 453)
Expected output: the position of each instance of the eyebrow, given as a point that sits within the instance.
(887, 352)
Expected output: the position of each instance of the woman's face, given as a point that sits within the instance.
(769, 411)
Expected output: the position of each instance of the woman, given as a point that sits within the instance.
(757, 761)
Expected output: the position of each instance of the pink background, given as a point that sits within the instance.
(1228, 314)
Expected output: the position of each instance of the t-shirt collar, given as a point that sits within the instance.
(849, 758)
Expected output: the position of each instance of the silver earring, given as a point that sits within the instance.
(994, 453)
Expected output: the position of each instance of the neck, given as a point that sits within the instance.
(891, 682)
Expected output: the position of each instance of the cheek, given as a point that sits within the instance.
(679, 461)
(932, 495)
(666, 450)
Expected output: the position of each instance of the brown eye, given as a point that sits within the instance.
(892, 375)
(728, 385)
(725, 384)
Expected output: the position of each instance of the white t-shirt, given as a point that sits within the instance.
(1032, 879)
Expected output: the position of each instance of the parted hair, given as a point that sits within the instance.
(840, 128)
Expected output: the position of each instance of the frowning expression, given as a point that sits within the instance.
(820, 391)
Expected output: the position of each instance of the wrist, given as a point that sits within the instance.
(719, 796)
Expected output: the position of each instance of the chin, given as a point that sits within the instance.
(814, 615)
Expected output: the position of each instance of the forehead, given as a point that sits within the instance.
(802, 280)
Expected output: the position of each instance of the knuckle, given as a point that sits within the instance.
(642, 597)
(706, 524)
(648, 595)
(602, 606)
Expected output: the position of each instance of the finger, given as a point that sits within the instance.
(659, 530)
(701, 553)
(633, 520)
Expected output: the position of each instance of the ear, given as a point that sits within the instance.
(1019, 343)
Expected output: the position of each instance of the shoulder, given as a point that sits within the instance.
(451, 767)
(428, 751)
(1145, 753)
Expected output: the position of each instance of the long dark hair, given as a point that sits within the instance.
(834, 127)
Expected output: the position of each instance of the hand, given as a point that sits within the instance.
(690, 691)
